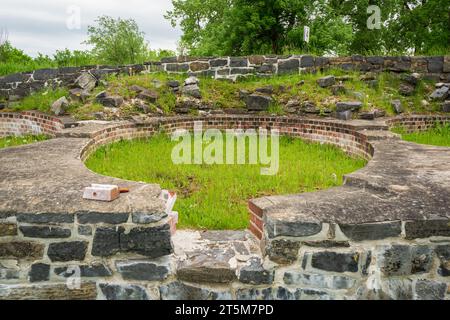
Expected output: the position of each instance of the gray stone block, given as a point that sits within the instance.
(335, 261)
(318, 280)
(67, 251)
(255, 273)
(44, 232)
(430, 290)
(142, 270)
(372, 231)
(39, 272)
(123, 292)
(180, 291)
(96, 270)
(288, 66)
(97, 217)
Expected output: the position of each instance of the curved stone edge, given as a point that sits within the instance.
(304, 267)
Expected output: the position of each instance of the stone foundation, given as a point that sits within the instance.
(383, 235)
(436, 68)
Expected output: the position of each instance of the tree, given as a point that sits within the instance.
(117, 41)
(240, 27)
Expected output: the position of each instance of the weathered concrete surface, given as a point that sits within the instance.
(404, 181)
(49, 177)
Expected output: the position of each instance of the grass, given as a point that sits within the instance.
(437, 136)
(41, 101)
(215, 196)
(225, 94)
(17, 141)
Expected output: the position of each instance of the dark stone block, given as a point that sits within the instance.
(427, 228)
(375, 60)
(336, 262)
(292, 229)
(45, 74)
(21, 250)
(88, 271)
(326, 81)
(283, 251)
(45, 232)
(319, 62)
(39, 272)
(180, 291)
(307, 61)
(372, 231)
(109, 218)
(218, 63)
(69, 70)
(142, 270)
(348, 106)
(400, 260)
(242, 70)
(435, 64)
(16, 77)
(45, 218)
(266, 68)
(237, 62)
(177, 67)
(123, 292)
(67, 251)
(106, 241)
(430, 290)
(344, 115)
(152, 242)
(169, 60)
(255, 273)
(258, 102)
(288, 66)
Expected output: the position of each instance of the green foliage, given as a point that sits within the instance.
(437, 136)
(117, 41)
(215, 196)
(241, 27)
(12, 141)
(41, 100)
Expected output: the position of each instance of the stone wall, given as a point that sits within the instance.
(16, 86)
(28, 122)
(130, 256)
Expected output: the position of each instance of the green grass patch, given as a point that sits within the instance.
(215, 196)
(41, 101)
(436, 136)
(17, 141)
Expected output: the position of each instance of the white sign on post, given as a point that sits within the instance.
(306, 34)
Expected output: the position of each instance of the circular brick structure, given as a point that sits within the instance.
(383, 234)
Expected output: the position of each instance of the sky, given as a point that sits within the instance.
(48, 25)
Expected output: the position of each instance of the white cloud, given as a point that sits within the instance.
(40, 26)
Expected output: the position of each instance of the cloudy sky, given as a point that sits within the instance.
(48, 25)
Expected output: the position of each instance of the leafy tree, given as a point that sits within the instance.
(238, 27)
(117, 41)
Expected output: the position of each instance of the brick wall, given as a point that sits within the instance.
(28, 122)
